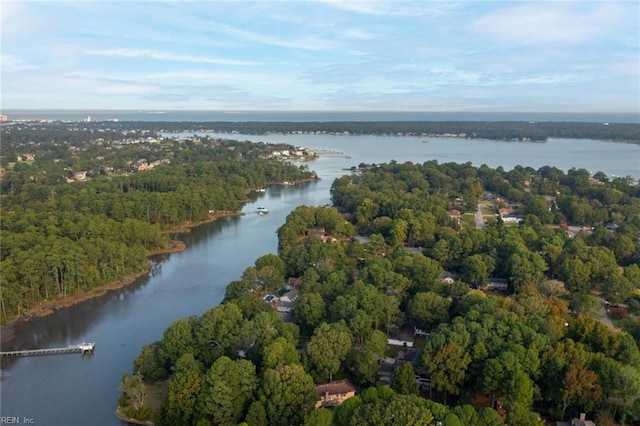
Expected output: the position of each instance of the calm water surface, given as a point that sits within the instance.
(75, 390)
(614, 159)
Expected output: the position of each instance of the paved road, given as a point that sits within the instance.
(603, 317)
(479, 218)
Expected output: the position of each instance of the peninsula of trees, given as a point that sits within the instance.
(83, 208)
(434, 318)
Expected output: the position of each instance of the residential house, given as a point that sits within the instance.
(505, 211)
(582, 421)
(611, 226)
(403, 336)
(455, 215)
(497, 284)
(79, 175)
(511, 219)
(286, 302)
(141, 164)
(334, 393)
(572, 231)
(328, 239)
(447, 277)
(388, 365)
(385, 370)
(593, 181)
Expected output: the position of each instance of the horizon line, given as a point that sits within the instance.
(289, 111)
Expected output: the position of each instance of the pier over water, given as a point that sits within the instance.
(83, 348)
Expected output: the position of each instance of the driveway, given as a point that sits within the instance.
(603, 317)
(479, 217)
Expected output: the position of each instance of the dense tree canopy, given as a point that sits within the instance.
(62, 236)
(538, 344)
(79, 210)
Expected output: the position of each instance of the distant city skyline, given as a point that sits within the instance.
(325, 55)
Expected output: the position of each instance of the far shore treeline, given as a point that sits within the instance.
(497, 130)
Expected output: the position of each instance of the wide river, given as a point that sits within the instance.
(76, 390)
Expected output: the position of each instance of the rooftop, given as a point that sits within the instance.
(338, 387)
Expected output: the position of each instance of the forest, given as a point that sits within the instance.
(79, 211)
(497, 130)
(375, 264)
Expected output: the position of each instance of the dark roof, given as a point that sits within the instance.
(406, 332)
(334, 388)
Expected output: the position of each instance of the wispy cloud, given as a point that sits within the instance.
(355, 33)
(381, 7)
(362, 6)
(246, 80)
(555, 22)
(322, 54)
(10, 63)
(301, 41)
(164, 56)
(552, 79)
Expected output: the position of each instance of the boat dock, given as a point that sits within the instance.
(83, 348)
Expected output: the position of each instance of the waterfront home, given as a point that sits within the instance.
(286, 302)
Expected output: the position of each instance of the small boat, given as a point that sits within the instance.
(262, 210)
(261, 190)
(86, 347)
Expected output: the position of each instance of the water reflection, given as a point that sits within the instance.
(68, 325)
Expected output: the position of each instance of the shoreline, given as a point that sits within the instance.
(186, 227)
(132, 421)
(45, 308)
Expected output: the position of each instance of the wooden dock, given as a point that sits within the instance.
(83, 348)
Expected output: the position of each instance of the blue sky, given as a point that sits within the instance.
(557, 56)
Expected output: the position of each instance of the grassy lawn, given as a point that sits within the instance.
(488, 210)
(468, 221)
